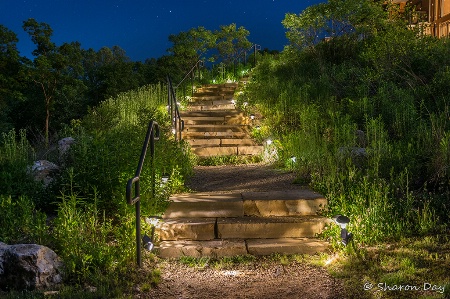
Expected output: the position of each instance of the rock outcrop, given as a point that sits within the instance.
(29, 266)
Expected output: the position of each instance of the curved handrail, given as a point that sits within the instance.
(150, 138)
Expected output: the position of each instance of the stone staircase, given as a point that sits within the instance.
(238, 222)
(213, 125)
(219, 224)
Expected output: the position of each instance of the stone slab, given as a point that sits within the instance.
(204, 142)
(270, 227)
(214, 248)
(186, 228)
(207, 205)
(207, 135)
(283, 203)
(216, 128)
(286, 246)
(236, 141)
(250, 149)
(215, 151)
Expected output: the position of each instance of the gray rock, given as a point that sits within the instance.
(29, 266)
(43, 170)
(65, 144)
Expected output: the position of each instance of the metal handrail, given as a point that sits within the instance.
(150, 138)
(198, 64)
(174, 112)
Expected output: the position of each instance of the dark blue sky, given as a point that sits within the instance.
(142, 27)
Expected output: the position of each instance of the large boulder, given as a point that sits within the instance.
(29, 266)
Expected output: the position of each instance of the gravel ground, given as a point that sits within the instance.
(296, 280)
(258, 280)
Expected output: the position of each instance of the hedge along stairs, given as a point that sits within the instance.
(213, 125)
(229, 223)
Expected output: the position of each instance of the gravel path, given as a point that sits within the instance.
(261, 279)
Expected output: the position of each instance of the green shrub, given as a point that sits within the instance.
(16, 158)
(20, 222)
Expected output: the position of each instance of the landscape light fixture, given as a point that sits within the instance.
(252, 116)
(148, 244)
(269, 141)
(164, 180)
(233, 102)
(293, 161)
(343, 221)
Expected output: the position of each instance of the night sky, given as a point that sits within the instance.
(142, 27)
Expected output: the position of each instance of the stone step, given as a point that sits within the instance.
(211, 107)
(199, 229)
(228, 248)
(301, 202)
(270, 227)
(216, 113)
(216, 128)
(205, 97)
(206, 205)
(222, 102)
(213, 93)
(244, 150)
(221, 142)
(206, 135)
(223, 85)
(216, 120)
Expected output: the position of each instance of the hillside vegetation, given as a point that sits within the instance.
(365, 113)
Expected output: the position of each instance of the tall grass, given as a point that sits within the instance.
(87, 220)
(373, 148)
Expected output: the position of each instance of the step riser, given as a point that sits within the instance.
(226, 113)
(211, 102)
(203, 229)
(220, 142)
(230, 107)
(204, 210)
(216, 128)
(230, 248)
(269, 230)
(283, 208)
(254, 204)
(275, 208)
(208, 135)
(227, 151)
(215, 249)
(238, 228)
(211, 96)
(215, 121)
